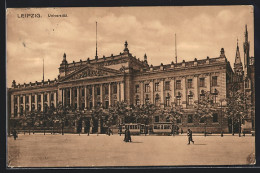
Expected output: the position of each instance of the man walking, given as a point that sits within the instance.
(189, 134)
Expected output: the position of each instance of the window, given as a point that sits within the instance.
(75, 93)
(39, 98)
(98, 91)
(45, 97)
(215, 98)
(26, 99)
(202, 120)
(167, 101)
(214, 80)
(202, 82)
(179, 120)
(167, 119)
(52, 97)
(15, 100)
(136, 88)
(82, 92)
(247, 84)
(39, 107)
(202, 95)
(146, 88)
(90, 105)
(189, 83)
(98, 104)
(156, 86)
(156, 118)
(75, 105)
(21, 110)
(190, 99)
(33, 107)
(68, 94)
(157, 99)
(178, 100)
(90, 91)
(106, 104)
(167, 85)
(106, 90)
(215, 117)
(178, 84)
(15, 111)
(147, 99)
(21, 99)
(27, 107)
(115, 89)
(190, 118)
(137, 100)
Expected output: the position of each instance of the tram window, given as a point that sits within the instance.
(166, 127)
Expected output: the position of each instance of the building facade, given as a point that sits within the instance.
(104, 81)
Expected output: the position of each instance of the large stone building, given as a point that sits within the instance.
(104, 81)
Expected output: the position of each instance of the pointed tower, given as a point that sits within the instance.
(126, 51)
(246, 52)
(238, 67)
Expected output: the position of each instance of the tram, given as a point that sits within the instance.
(162, 128)
(135, 128)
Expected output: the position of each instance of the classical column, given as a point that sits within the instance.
(42, 95)
(78, 98)
(195, 88)
(122, 89)
(162, 92)
(55, 99)
(48, 99)
(93, 96)
(86, 97)
(36, 101)
(118, 91)
(12, 105)
(109, 94)
(152, 92)
(24, 108)
(172, 87)
(142, 92)
(101, 94)
(208, 82)
(60, 96)
(184, 95)
(18, 106)
(71, 97)
(30, 102)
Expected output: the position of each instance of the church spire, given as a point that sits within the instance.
(237, 58)
(238, 67)
(246, 51)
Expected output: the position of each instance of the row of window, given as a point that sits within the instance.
(45, 98)
(190, 119)
(178, 84)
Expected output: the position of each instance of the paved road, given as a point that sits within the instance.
(72, 150)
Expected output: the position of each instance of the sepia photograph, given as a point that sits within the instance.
(130, 86)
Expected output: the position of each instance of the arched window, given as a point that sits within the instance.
(215, 96)
(147, 99)
(21, 110)
(190, 98)
(137, 100)
(157, 99)
(39, 107)
(167, 100)
(178, 99)
(15, 111)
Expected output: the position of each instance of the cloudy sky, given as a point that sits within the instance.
(201, 32)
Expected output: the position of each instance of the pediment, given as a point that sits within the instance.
(90, 72)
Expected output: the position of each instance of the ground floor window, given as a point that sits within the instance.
(215, 117)
(106, 104)
(190, 118)
(90, 105)
(156, 118)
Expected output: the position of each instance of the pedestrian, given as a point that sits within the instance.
(189, 134)
(126, 139)
(181, 131)
(177, 130)
(108, 131)
(15, 134)
(129, 136)
(120, 130)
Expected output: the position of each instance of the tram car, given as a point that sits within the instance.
(162, 128)
(135, 128)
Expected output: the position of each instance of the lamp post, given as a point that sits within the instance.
(221, 113)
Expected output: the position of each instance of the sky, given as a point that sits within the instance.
(201, 31)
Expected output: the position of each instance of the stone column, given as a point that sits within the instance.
(71, 97)
(184, 95)
(172, 87)
(24, 108)
(109, 94)
(18, 106)
(162, 92)
(122, 89)
(30, 102)
(141, 92)
(42, 95)
(101, 94)
(118, 91)
(36, 101)
(152, 92)
(195, 88)
(93, 96)
(78, 98)
(86, 105)
(208, 82)
(60, 95)
(12, 105)
(55, 99)
(48, 99)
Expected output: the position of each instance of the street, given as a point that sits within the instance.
(73, 150)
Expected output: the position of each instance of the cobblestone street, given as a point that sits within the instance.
(72, 150)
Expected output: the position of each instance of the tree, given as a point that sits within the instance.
(238, 108)
(204, 108)
(173, 115)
